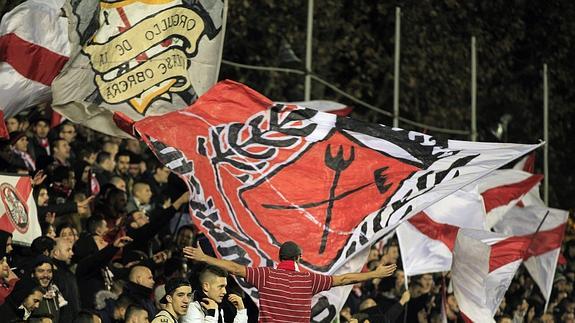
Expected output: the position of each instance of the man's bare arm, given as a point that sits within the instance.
(198, 255)
(352, 278)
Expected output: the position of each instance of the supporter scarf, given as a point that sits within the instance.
(288, 265)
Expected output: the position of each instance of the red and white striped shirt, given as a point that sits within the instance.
(285, 295)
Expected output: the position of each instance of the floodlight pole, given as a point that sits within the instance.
(473, 90)
(545, 136)
(396, 67)
(308, 51)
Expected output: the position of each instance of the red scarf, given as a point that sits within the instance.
(288, 265)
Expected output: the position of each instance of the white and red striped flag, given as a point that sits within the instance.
(484, 264)
(541, 258)
(503, 189)
(18, 210)
(34, 47)
(427, 239)
(526, 164)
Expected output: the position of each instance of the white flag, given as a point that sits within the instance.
(33, 49)
(542, 256)
(427, 239)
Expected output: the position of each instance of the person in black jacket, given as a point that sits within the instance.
(23, 300)
(140, 287)
(65, 279)
(92, 273)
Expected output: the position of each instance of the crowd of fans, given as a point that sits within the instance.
(114, 223)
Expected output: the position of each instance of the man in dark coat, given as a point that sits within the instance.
(65, 279)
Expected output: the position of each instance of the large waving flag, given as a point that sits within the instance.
(261, 173)
(18, 210)
(33, 49)
(140, 58)
(541, 258)
(336, 108)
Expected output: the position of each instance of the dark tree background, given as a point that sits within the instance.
(353, 49)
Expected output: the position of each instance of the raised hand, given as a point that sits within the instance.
(237, 301)
(83, 206)
(122, 241)
(209, 304)
(38, 178)
(385, 270)
(194, 253)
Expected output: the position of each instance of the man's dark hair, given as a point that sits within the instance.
(289, 250)
(124, 301)
(63, 226)
(86, 316)
(93, 223)
(54, 144)
(132, 310)
(122, 153)
(42, 244)
(86, 151)
(102, 156)
(212, 271)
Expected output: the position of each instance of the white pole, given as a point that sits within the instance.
(308, 51)
(545, 136)
(396, 68)
(473, 90)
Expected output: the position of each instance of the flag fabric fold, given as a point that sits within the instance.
(18, 213)
(138, 58)
(31, 54)
(261, 173)
(484, 264)
(541, 258)
(427, 239)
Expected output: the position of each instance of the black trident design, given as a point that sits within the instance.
(338, 164)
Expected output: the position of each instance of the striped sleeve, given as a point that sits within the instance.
(321, 283)
(256, 276)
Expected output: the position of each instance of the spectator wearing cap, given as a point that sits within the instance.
(177, 300)
(39, 145)
(140, 288)
(65, 279)
(286, 284)
(24, 299)
(205, 307)
(20, 155)
(42, 270)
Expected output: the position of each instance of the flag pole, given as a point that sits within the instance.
(396, 68)
(308, 51)
(545, 136)
(473, 90)
(406, 304)
(529, 247)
